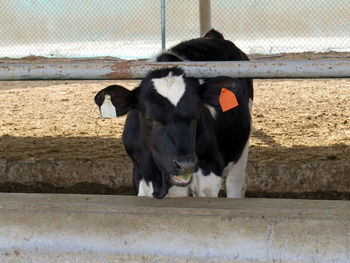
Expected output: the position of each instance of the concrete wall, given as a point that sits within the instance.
(331, 176)
(76, 228)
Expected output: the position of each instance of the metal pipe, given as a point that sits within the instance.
(204, 16)
(138, 70)
(163, 23)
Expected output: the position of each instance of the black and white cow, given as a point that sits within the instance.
(183, 137)
(211, 47)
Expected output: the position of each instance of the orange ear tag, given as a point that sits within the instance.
(227, 100)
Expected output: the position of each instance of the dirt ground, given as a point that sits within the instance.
(294, 121)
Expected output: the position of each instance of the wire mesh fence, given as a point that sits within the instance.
(283, 26)
(132, 29)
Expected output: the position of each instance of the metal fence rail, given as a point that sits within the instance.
(138, 70)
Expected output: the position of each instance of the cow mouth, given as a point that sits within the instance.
(181, 179)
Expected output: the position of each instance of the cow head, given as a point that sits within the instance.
(169, 107)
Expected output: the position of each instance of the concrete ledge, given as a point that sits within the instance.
(87, 228)
(299, 177)
(262, 177)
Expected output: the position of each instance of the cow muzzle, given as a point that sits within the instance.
(185, 167)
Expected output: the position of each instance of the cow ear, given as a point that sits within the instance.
(213, 34)
(115, 101)
(209, 93)
(219, 92)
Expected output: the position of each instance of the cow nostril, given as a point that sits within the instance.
(185, 165)
(178, 164)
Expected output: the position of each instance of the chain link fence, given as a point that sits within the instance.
(284, 26)
(132, 29)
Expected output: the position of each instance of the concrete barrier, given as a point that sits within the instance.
(270, 177)
(88, 228)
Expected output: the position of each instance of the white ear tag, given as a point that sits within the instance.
(107, 109)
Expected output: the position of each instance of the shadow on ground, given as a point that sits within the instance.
(92, 148)
(48, 149)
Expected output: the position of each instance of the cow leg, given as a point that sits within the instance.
(235, 175)
(145, 189)
(142, 187)
(205, 185)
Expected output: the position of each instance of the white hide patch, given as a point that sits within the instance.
(201, 81)
(235, 175)
(250, 105)
(205, 185)
(145, 189)
(178, 191)
(107, 109)
(170, 87)
(212, 110)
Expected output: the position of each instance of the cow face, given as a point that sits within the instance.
(169, 106)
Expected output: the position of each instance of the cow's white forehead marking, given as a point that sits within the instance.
(170, 87)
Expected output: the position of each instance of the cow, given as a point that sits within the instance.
(184, 137)
(211, 47)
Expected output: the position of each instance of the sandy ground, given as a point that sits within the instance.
(294, 121)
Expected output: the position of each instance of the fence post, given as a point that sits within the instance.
(204, 16)
(163, 23)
